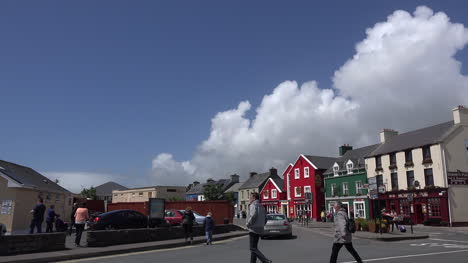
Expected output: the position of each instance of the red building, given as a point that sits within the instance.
(273, 195)
(306, 176)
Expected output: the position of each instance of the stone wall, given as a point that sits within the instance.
(20, 244)
(126, 236)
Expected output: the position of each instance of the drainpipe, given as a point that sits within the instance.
(444, 166)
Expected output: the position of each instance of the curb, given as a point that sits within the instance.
(121, 251)
(392, 239)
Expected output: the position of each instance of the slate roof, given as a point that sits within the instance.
(234, 187)
(258, 180)
(107, 188)
(355, 155)
(414, 139)
(200, 188)
(321, 162)
(279, 182)
(28, 177)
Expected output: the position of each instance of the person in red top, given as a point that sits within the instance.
(81, 217)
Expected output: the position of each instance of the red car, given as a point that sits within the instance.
(174, 217)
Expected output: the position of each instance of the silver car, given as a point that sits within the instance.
(277, 225)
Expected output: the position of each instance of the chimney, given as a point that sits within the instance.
(386, 134)
(234, 178)
(344, 148)
(252, 174)
(273, 171)
(209, 180)
(196, 183)
(460, 115)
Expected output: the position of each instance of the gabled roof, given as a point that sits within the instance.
(107, 188)
(234, 188)
(200, 188)
(258, 180)
(28, 177)
(414, 139)
(320, 162)
(278, 182)
(356, 156)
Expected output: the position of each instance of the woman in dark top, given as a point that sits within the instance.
(187, 223)
(50, 219)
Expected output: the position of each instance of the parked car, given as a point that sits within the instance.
(174, 217)
(124, 219)
(199, 219)
(277, 225)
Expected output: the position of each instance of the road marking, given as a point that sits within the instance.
(149, 251)
(438, 239)
(410, 256)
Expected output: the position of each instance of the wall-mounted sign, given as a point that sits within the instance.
(457, 178)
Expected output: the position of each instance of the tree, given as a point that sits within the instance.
(89, 193)
(213, 192)
(175, 198)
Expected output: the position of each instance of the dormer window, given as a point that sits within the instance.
(349, 167)
(336, 168)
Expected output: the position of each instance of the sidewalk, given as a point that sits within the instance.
(85, 252)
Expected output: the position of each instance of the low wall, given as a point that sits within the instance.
(127, 236)
(20, 244)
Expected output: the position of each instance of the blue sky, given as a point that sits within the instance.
(105, 86)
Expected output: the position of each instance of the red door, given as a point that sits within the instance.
(418, 213)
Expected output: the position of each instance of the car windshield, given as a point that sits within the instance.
(276, 217)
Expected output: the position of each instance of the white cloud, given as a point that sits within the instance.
(403, 76)
(75, 181)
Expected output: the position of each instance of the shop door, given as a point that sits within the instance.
(418, 213)
(285, 210)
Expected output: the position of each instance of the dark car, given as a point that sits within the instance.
(124, 219)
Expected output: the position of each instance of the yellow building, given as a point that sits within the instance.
(143, 194)
(20, 188)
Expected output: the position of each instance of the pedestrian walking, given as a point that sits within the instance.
(50, 219)
(187, 223)
(72, 218)
(255, 223)
(343, 236)
(208, 225)
(323, 216)
(38, 217)
(81, 216)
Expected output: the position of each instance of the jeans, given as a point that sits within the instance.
(349, 246)
(209, 237)
(254, 252)
(188, 230)
(79, 230)
(50, 227)
(35, 224)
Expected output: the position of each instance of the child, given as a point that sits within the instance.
(208, 225)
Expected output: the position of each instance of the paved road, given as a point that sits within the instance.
(313, 245)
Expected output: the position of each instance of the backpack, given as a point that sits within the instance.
(351, 225)
(262, 211)
(402, 229)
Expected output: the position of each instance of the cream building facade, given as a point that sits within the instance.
(143, 194)
(433, 157)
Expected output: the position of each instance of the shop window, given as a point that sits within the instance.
(404, 208)
(359, 210)
(434, 207)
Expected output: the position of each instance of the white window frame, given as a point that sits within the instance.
(356, 214)
(295, 191)
(306, 172)
(297, 174)
(359, 189)
(349, 167)
(346, 203)
(336, 168)
(333, 189)
(273, 193)
(307, 189)
(265, 194)
(345, 189)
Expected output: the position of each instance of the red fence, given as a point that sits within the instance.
(219, 209)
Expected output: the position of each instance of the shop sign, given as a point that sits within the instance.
(457, 178)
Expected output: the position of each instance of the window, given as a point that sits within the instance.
(410, 178)
(298, 191)
(394, 181)
(7, 207)
(378, 162)
(265, 194)
(428, 176)
(358, 187)
(296, 173)
(349, 167)
(404, 207)
(150, 195)
(426, 152)
(133, 194)
(393, 159)
(242, 194)
(434, 207)
(273, 193)
(345, 189)
(380, 180)
(336, 168)
(307, 189)
(408, 156)
(333, 190)
(359, 209)
(140, 193)
(306, 172)
(171, 190)
(115, 195)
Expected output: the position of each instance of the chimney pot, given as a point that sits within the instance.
(460, 115)
(252, 174)
(386, 134)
